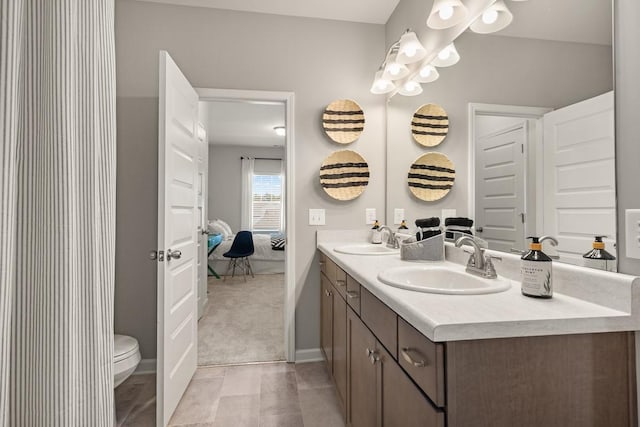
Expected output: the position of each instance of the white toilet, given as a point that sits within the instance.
(126, 356)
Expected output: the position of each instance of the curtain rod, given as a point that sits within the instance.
(259, 158)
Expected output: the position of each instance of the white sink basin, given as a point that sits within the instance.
(441, 279)
(366, 249)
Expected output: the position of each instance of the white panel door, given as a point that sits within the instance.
(178, 221)
(203, 164)
(579, 176)
(500, 188)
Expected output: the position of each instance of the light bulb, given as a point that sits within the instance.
(444, 54)
(382, 85)
(490, 16)
(410, 51)
(410, 86)
(394, 69)
(425, 72)
(445, 12)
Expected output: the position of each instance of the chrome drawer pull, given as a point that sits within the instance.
(353, 294)
(373, 356)
(405, 354)
(341, 283)
(327, 293)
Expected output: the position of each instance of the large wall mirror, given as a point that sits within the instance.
(531, 131)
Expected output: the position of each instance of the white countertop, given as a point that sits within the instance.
(584, 300)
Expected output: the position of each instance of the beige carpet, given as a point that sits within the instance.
(243, 322)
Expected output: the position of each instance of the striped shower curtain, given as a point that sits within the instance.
(57, 212)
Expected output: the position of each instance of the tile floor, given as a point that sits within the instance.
(272, 394)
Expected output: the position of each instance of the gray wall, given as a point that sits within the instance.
(225, 179)
(627, 35)
(319, 60)
(492, 69)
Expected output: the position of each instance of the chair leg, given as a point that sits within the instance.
(235, 264)
(226, 273)
(249, 267)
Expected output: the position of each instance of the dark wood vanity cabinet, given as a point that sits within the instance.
(379, 392)
(388, 374)
(326, 322)
(333, 335)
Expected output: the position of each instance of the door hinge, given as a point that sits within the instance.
(522, 148)
(522, 216)
(156, 256)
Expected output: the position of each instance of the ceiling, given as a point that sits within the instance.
(242, 123)
(583, 21)
(368, 11)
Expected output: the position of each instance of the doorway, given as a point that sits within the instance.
(504, 155)
(241, 315)
(268, 162)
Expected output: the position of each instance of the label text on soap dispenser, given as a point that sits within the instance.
(536, 278)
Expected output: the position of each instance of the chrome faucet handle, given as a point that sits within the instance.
(489, 269)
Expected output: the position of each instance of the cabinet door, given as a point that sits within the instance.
(403, 404)
(326, 322)
(340, 346)
(362, 384)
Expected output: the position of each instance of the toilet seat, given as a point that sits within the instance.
(124, 347)
(126, 356)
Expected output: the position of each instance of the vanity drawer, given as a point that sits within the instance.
(353, 294)
(323, 262)
(340, 282)
(330, 269)
(423, 360)
(382, 321)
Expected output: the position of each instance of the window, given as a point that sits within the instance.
(266, 203)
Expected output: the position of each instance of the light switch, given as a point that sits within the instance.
(370, 215)
(632, 233)
(398, 216)
(316, 217)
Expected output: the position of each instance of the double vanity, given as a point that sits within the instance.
(429, 344)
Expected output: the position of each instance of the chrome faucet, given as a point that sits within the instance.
(392, 242)
(553, 241)
(478, 263)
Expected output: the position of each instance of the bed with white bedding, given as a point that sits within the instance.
(265, 260)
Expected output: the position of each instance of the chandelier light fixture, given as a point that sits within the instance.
(495, 18)
(408, 64)
(446, 57)
(427, 74)
(410, 88)
(381, 85)
(410, 49)
(446, 14)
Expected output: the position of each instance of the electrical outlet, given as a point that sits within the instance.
(370, 215)
(316, 217)
(398, 216)
(632, 225)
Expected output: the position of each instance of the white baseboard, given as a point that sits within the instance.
(309, 355)
(146, 366)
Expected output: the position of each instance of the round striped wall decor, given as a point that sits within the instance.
(431, 176)
(344, 175)
(343, 121)
(430, 125)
